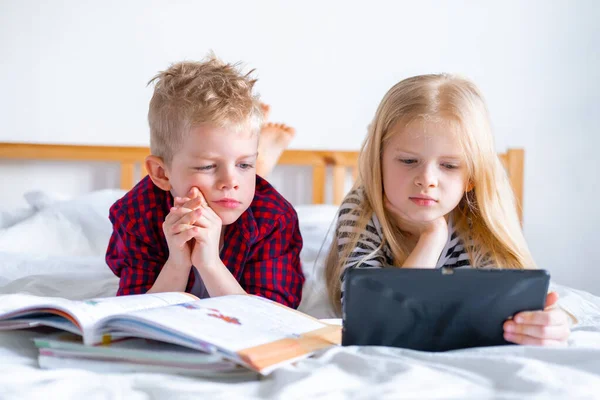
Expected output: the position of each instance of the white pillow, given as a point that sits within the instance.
(12, 217)
(317, 223)
(63, 228)
(35, 201)
(39, 199)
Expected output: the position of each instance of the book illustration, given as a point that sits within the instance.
(212, 312)
(217, 314)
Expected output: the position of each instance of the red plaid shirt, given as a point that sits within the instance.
(262, 248)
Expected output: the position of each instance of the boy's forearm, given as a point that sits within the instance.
(425, 254)
(172, 278)
(219, 281)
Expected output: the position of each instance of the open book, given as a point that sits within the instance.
(249, 330)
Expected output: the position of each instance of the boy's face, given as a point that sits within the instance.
(221, 163)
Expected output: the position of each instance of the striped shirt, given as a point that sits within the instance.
(369, 251)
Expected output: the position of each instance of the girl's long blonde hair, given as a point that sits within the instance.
(486, 217)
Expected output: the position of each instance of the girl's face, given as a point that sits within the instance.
(424, 172)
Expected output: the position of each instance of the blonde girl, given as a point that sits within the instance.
(433, 193)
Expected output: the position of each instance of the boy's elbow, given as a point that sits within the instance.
(130, 290)
(290, 297)
(291, 301)
(293, 297)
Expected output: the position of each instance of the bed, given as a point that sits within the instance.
(55, 247)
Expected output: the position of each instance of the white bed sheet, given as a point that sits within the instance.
(56, 249)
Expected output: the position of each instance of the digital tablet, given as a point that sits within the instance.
(436, 309)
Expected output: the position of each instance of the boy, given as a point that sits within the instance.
(202, 220)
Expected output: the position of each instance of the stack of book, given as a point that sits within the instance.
(239, 335)
(66, 350)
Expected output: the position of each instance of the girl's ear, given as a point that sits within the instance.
(157, 170)
(470, 186)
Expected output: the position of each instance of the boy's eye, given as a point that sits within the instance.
(205, 167)
(407, 161)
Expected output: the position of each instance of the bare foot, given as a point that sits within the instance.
(273, 140)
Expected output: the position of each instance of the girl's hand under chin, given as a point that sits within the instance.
(429, 238)
(436, 230)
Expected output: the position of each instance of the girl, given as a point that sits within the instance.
(433, 193)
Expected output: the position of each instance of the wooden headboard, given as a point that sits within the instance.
(341, 162)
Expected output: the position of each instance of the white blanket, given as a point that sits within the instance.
(56, 249)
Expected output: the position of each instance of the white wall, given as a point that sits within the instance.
(75, 72)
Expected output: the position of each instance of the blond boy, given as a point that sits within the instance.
(202, 220)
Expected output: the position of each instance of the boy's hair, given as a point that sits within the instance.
(486, 218)
(190, 93)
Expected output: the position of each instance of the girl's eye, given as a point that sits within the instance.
(407, 161)
(245, 166)
(450, 166)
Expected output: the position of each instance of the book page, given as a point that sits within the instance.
(84, 314)
(232, 323)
